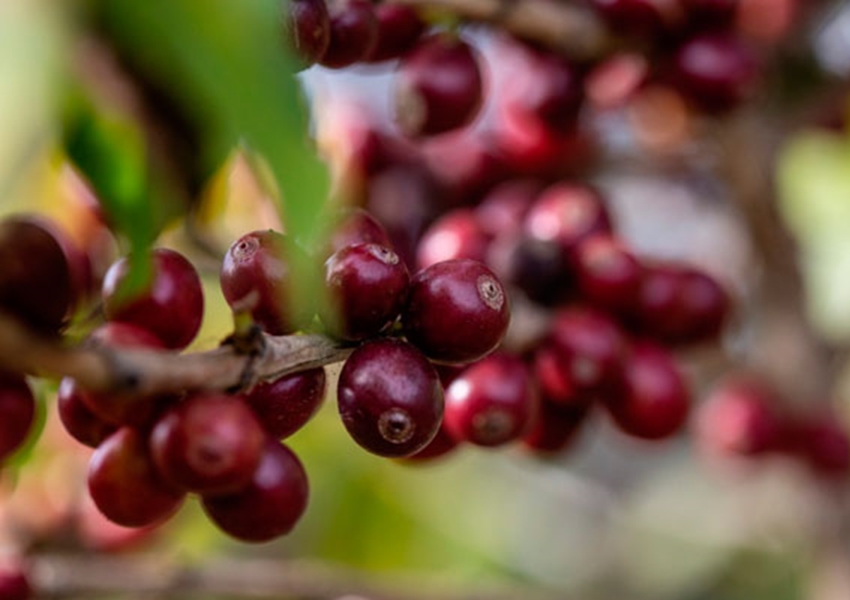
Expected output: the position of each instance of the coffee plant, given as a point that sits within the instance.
(262, 262)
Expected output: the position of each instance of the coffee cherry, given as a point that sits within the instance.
(739, 418)
(538, 268)
(35, 278)
(438, 86)
(270, 505)
(356, 226)
(14, 582)
(125, 485)
(171, 306)
(17, 412)
(567, 214)
(716, 71)
(284, 406)
(609, 276)
(821, 442)
(79, 420)
(399, 28)
(308, 29)
(581, 358)
(457, 311)
(257, 277)
(492, 402)
(503, 209)
(457, 234)
(138, 411)
(556, 427)
(442, 444)
(390, 398)
(654, 403)
(210, 444)
(366, 286)
(353, 33)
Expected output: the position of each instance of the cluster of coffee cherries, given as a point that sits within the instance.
(390, 397)
(744, 418)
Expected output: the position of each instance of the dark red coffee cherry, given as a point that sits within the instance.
(567, 214)
(821, 441)
(716, 71)
(171, 306)
(546, 87)
(492, 402)
(14, 582)
(582, 357)
(457, 311)
(125, 485)
(80, 421)
(457, 234)
(209, 444)
(284, 406)
(257, 277)
(366, 286)
(353, 33)
(308, 29)
(390, 398)
(138, 411)
(740, 418)
(399, 28)
(438, 86)
(556, 427)
(639, 18)
(17, 412)
(710, 14)
(654, 403)
(270, 505)
(442, 445)
(538, 268)
(356, 226)
(35, 278)
(609, 276)
(502, 211)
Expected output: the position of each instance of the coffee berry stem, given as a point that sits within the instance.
(146, 372)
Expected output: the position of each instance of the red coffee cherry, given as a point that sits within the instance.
(307, 29)
(17, 412)
(556, 427)
(353, 33)
(366, 286)
(171, 306)
(492, 402)
(125, 485)
(609, 276)
(654, 403)
(80, 421)
(822, 442)
(457, 311)
(271, 504)
(442, 445)
(14, 582)
(399, 28)
(284, 406)
(503, 209)
(438, 86)
(209, 444)
(356, 226)
(457, 234)
(390, 398)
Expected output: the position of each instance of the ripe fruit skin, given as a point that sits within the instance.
(210, 444)
(366, 287)
(284, 406)
(399, 28)
(442, 444)
(581, 358)
(308, 29)
(654, 403)
(503, 209)
(390, 398)
(80, 421)
(353, 34)
(14, 583)
(716, 71)
(609, 276)
(257, 277)
(35, 281)
(125, 485)
(457, 311)
(270, 505)
(357, 226)
(492, 402)
(172, 305)
(138, 411)
(457, 234)
(556, 427)
(738, 419)
(17, 412)
(821, 442)
(438, 87)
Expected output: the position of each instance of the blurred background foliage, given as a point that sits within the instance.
(614, 518)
